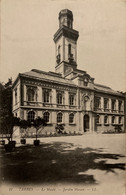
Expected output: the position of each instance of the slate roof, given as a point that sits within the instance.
(48, 76)
(57, 78)
(105, 89)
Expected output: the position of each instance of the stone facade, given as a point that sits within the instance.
(69, 95)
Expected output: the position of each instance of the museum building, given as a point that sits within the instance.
(69, 95)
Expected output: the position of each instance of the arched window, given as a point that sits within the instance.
(46, 96)
(105, 119)
(59, 98)
(69, 49)
(59, 117)
(113, 119)
(71, 118)
(31, 94)
(31, 116)
(46, 116)
(97, 119)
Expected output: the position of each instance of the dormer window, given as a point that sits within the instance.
(86, 82)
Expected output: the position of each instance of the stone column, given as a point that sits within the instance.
(54, 97)
(66, 97)
(110, 104)
(39, 95)
(116, 105)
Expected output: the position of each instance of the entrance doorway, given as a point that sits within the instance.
(86, 122)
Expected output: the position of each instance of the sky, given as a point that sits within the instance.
(28, 26)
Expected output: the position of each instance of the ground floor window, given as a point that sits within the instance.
(113, 119)
(97, 119)
(120, 120)
(46, 116)
(105, 119)
(59, 117)
(31, 116)
(71, 118)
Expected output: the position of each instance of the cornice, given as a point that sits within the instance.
(67, 32)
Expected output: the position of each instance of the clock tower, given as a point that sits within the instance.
(66, 44)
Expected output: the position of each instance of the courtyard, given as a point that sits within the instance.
(95, 160)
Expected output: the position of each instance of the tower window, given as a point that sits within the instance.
(59, 49)
(59, 117)
(69, 49)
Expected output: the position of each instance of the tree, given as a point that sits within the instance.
(38, 123)
(5, 106)
(24, 124)
(9, 122)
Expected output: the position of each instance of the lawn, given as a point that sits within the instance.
(88, 160)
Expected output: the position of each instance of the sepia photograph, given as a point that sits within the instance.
(63, 97)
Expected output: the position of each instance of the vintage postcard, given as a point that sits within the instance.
(63, 97)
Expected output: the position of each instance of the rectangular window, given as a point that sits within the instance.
(46, 96)
(113, 105)
(71, 99)
(16, 96)
(97, 102)
(113, 119)
(106, 103)
(60, 99)
(120, 106)
(105, 119)
(120, 120)
(97, 119)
